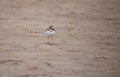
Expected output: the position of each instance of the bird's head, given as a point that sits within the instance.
(51, 27)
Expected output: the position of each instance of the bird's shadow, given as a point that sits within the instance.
(50, 43)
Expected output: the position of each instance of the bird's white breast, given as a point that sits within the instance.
(50, 33)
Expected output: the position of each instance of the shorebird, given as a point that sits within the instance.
(50, 32)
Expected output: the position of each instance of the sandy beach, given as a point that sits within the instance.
(87, 43)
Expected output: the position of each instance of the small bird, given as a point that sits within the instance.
(50, 32)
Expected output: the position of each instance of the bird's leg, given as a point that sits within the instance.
(48, 37)
(52, 37)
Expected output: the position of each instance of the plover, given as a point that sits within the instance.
(50, 32)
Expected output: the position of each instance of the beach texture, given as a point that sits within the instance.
(87, 43)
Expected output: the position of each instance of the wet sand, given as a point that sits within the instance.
(87, 43)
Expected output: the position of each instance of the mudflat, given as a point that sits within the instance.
(87, 43)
